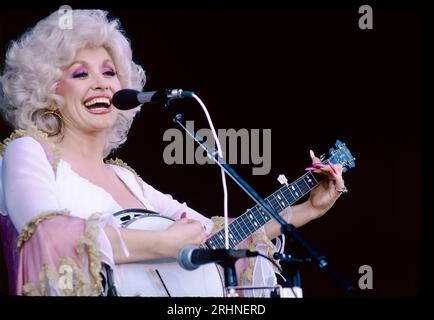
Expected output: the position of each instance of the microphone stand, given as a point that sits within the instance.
(286, 228)
(294, 279)
(230, 276)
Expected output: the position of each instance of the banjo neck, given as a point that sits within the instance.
(254, 218)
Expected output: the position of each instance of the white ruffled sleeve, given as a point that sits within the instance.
(28, 181)
(169, 207)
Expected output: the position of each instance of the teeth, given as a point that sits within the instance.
(97, 100)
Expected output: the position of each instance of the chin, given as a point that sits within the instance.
(105, 122)
(101, 126)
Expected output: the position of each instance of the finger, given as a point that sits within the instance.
(316, 163)
(314, 158)
(336, 181)
(180, 221)
(198, 228)
(329, 169)
(204, 236)
(339, 168)
(339, 183)
(336, 171)
(332, 166)
(326, 170)
(186, 221)
(334, 177)
(200, 237)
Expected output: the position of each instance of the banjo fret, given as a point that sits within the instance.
(253, 219)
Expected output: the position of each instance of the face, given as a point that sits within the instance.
(87, 86)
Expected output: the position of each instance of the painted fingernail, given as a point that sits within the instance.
(311, 153)
(333, 167)
(318, 165)
(183, 215)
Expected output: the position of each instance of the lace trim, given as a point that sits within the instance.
(79, 285)
(219, 223)
(121, 163)
(89, 240)
(257, 238)
(30, 226)
(38, 135)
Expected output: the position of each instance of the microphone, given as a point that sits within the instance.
(126, 99)
(290, 258)
(190, 257)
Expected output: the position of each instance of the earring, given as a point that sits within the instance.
(58, 117)
(54, 113)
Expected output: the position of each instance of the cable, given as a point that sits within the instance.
(278, 268)
(219, 150)
(273, 262)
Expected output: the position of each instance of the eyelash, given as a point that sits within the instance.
(79, 75)
(110, 73)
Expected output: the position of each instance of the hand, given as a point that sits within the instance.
(328, 191)
(183, 232)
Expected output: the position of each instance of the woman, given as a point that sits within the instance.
(57, 192)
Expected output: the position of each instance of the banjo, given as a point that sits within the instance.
(165, 278)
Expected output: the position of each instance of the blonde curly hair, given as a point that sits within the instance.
(35, 62)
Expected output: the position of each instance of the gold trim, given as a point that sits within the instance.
(219, 223)
(30, 226)
(89, 239)
(247, 274)
(29, 289)
(121, 163)
(37, 134)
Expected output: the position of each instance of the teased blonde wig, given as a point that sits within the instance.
(35, 62)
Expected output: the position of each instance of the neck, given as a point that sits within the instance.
(81, 147)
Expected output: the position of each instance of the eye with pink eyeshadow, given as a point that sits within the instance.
(109, 71)
(80, 72)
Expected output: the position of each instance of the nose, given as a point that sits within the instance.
(99, 82)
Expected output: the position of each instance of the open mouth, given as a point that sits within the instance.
(98, 105)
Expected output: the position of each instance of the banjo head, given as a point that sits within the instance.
(163, 277)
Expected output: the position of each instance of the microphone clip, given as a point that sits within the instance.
(174, 94)
(177, 94)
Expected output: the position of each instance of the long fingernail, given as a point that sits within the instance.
(333, 167)
(309, 168)
(311, 153)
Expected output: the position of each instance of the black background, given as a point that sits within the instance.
(312, 76)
